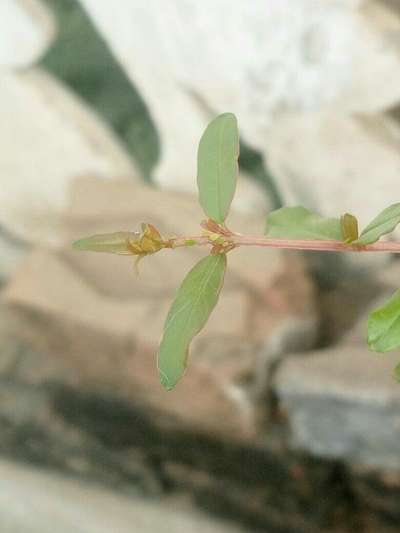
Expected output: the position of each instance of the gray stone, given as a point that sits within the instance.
(34, 501)
(375, 292)
(343, 403)
(13, 251)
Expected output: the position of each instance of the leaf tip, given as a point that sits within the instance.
(80, 244)
(228, 115)
(170, 371)
(168, 380)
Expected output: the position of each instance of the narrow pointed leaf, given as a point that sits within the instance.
(384, 326)
(194, 302)
(384, 223)
(301, 224)
(115, 243)
(217, 166)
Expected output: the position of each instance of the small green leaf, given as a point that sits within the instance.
(300, 223)
(194, 302)
(114, 243)
(349, 225)
(384, 326)
(217, 166)
(384, 223)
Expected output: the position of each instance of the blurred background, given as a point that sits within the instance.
(284, 421)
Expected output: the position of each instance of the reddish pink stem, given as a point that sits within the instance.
(290, 244)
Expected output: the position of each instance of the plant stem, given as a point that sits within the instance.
(290, 244)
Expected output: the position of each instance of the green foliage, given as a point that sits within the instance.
(384, 326)
(198, 295)
(299, 223)
(217, 166)
(384, 223)
(194, 302)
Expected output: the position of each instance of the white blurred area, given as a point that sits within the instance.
(26, 30)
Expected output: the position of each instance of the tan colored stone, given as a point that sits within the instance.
(102, 323)
(59, 139)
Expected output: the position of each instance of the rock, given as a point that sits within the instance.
(12, 253)
(343, 403)
(357, 334)
(76, 305)
(371, 294)
(344, 305)
(29, 19)
(391, 4)
(339, 56)
(96, 437)
(36, 500)
(92, 434)
(78, 384)
(337, 163)
(47, 135)
(379, 490)
(370, 88)
(59, 140)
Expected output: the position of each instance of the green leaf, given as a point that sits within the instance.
(384, 223)
(194, 302)
(217, 166)
(349, 225)
(384, 326)
(115, 243)
(300, 223)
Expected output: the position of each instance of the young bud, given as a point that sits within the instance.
(146, 242)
